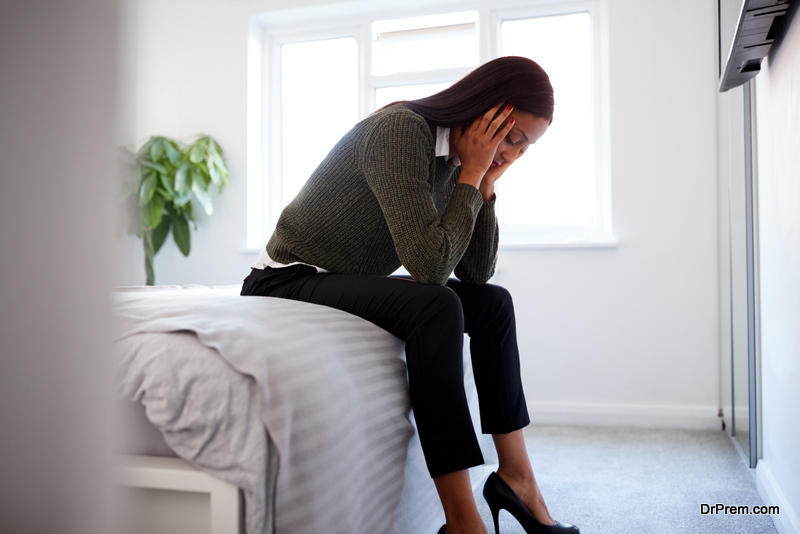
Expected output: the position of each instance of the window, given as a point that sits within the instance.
(332, 69)
(319, 101)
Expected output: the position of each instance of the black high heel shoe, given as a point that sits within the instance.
(499, 495)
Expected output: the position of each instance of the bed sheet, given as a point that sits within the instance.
(302, 406)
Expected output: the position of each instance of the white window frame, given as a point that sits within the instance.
(269, 31)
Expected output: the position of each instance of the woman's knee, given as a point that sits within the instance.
(441, 306)
(442, 299)
(487, 307)
(498, 297)
(437, 328)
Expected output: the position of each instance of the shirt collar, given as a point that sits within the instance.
(443, 145)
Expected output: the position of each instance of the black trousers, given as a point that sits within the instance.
(432, 320)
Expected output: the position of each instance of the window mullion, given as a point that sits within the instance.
(597, 11)
(489, 28)
(367, 80)
(256, 135)
(274, 164)
(487, 35)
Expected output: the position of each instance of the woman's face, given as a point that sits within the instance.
(526, 131)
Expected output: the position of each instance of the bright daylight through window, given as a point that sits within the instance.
(323, 80)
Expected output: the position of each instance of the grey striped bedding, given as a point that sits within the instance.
(304, 407)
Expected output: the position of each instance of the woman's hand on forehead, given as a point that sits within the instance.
(477, 143)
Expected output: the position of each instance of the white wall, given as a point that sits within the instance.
(778, 152)
(626, 335)
(58, 63)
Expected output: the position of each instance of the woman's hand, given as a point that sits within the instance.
(492, 175)
(477, 146)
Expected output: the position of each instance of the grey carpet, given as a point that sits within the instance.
(643, 481)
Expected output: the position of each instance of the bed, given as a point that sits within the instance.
(304, 408)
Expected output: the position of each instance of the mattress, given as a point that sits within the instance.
(303, 407)
(137, 435)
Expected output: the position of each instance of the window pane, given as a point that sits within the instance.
(555, 183)
(319, 104)
(425, 43)
(387, 95)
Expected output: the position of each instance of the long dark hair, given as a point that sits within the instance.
(513, 80)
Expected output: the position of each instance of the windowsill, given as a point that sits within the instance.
(600, 244)
(606, 244)
(577, 238)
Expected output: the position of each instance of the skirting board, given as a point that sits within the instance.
(787, 521)
(635, 415)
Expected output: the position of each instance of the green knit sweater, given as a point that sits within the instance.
(381, 199)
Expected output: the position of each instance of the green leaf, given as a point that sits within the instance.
(153, 212)
(219, 164)
(147, 189)
(183, 184)
(160, 234)
(204, 141)
(173, 154)
(180, 232)
(164, 150)
(165, 182)
(156, 148)
(218, 161)
(181, 201)
(183, 179)
(155, 166)
(202, 196)
(187, 209)
(201, 172)
(197, 153)
(213, 173)
(213, 145)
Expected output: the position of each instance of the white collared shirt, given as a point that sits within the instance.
(443, 146)
(265, 261)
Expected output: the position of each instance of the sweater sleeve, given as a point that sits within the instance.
(397, 160)
(478, 264)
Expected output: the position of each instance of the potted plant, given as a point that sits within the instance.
(164, 178)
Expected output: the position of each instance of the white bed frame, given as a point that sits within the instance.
(174, 474)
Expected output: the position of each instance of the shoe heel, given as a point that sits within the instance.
(494, 507)
(496, 518)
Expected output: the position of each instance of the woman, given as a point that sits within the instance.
(413, 184)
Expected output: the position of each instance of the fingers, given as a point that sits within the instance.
(494, 173)
(494, 120)
(484, 122)
(478, 143)
(506, 128)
